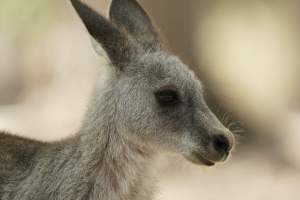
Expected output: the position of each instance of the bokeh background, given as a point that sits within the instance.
(245, 52)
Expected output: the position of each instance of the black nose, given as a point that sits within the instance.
(221, 143)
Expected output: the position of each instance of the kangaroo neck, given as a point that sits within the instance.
(117, 167)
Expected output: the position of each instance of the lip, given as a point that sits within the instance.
(198, 159)
(204, 160)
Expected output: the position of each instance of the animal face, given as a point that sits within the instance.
(159, 102)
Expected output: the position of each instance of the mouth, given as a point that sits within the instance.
(198, 159)
(204, 160)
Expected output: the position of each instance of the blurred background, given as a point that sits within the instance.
(245, 52)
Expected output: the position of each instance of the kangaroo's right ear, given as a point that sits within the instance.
(129, 15)
(116, 43)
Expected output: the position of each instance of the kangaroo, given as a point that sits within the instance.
(151, 103)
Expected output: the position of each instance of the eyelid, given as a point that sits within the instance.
(168, 87)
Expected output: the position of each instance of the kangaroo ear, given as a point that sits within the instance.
(115, 42)
(129, 15)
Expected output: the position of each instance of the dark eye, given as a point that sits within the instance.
(167, 97)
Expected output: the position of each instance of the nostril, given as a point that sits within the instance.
(221, 143)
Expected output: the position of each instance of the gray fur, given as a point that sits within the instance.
(124, 128)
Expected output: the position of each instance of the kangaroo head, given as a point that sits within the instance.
(159, 102)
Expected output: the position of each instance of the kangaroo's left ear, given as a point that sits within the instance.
(129, 15)
(118, 46)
